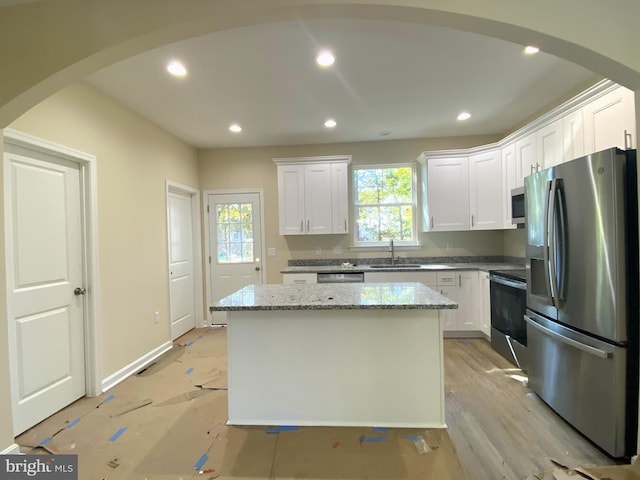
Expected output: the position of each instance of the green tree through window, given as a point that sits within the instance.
(384, 204)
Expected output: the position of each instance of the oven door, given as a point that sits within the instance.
(508, 327)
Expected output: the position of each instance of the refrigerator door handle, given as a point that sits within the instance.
(580, 346)
(545, 241)
(552, 239)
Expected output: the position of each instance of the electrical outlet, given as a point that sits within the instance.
(156, 317)
(449, 247)
(337, 250)
(318, 251)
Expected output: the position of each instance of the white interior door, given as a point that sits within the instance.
(235, 239)
(181, 263)
(45, 285)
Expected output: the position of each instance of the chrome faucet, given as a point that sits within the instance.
(392, 250)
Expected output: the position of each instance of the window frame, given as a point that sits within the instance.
(414, 207)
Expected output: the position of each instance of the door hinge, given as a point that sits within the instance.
(209, 259)
(207, 208)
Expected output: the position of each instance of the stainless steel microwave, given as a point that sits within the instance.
(517, 206)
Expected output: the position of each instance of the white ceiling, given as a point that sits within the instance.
(391, 80)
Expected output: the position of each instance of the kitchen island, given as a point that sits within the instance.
(367, 354)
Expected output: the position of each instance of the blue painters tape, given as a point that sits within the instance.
(189, 370)
(117, 434)
(45, 441)
(361, 438)
(375, 439)
(72, 423)
(200, 336)
(203, 459)
(380, 429)
(190, 343)
(108, 399)
(414, 438)
(284, 428)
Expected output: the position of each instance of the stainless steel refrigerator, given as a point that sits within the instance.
(582, 295)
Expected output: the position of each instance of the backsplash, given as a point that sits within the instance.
(421, 260)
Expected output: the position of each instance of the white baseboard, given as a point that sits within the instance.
(125, 372)
(11, 450)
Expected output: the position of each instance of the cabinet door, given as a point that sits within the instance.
(469, 316)
(549, 145)
(526, 160)
(299, 278)
(340, 197)
(509, 182)
(291, 199)
(450, 316)
(485, 190)
(573, 133)
(485, 285)
(448, 194)
(317, 199)
(609, 121)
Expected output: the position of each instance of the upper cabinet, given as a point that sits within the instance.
(313, 195)
(446, 191)
(509, 182)
(549, 144)
(485, 190)
(609, 121)
(527, 161)
(471, 188)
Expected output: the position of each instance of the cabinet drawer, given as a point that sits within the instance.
(447, 278)
(299, 278)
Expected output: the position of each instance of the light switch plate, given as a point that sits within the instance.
(271, 252)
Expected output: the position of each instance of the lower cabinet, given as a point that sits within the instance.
(461, 286)
(485, 303)
(299, 278)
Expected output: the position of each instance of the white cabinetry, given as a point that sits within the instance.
(485, 303)
(427, 278)
(299, 278)
(313, 195)
(509, 182)
(526, 159)
(573, 134)
(485, 190)
(340, 197)
(447, 194)
(609, 121)
(549, 145)
(461, 287)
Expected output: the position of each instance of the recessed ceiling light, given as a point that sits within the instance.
(464, 116)
(235, 128)
(330, 123)
(177, 69)
(531, 50)
(325, 58)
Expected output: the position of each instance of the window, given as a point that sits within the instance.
(385, 205)
(234, 227)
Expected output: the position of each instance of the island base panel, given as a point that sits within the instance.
(336, 368)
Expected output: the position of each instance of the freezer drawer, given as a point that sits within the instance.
(583, 380)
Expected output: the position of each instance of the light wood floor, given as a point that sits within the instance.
(499, 427)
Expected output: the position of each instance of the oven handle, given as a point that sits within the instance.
(569, 341)
(508, 282)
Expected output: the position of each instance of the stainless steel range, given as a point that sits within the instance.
(508, 307)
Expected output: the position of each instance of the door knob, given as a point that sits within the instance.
(80, 291)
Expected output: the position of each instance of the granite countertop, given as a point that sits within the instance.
(399, 268)
(393, 295)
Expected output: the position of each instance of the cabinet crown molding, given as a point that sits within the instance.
(317, 159)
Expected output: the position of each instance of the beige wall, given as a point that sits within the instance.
(134, 159)
(253, 168)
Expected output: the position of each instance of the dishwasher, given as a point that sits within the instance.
(353, 277)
